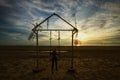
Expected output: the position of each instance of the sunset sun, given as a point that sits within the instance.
(81, 36)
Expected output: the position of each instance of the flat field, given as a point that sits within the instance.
(90, 63)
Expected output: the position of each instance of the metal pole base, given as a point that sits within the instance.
(71, 70)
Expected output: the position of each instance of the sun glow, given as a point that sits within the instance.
(81, 36)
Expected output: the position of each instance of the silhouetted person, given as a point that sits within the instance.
(54, 58)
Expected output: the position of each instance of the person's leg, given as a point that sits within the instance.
(52, 65)
(56, 64)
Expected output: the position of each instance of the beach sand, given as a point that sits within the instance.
(88, 66)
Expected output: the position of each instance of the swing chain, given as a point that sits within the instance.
(58, 35)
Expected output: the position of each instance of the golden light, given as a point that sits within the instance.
(81, 36)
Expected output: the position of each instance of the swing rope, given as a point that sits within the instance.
(59, 40)
(50, 41)
(47, 24)
(50, 35)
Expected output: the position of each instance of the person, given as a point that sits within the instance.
(54, 59)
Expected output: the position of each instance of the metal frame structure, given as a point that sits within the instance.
(37, 28)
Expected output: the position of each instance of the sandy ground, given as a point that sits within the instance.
(87, 67)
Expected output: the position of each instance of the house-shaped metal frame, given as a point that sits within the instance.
(37, 28)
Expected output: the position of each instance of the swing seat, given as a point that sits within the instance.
(36, 70)
(71, 70)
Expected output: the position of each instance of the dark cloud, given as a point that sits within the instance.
(13, 30)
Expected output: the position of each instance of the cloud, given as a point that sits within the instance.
(4, 3)
(96, 18)
(103, 26)
(111, 6)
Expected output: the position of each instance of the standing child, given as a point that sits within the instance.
(54, 59)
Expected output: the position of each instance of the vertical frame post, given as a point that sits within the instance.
(72, 56)
(72, 51)
(37, 49)
(36, 70)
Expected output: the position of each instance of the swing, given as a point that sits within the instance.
(57, 39)
(50, 42)
(51, 38)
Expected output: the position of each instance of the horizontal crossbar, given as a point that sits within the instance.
(55, 29)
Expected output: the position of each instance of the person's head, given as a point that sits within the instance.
(54, 50)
